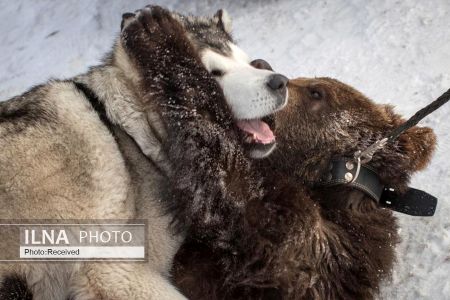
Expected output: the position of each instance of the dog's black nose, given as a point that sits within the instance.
(277, 82)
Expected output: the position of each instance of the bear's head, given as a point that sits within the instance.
(327, 119)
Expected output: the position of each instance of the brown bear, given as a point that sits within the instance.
(289, 238)
(301, 240)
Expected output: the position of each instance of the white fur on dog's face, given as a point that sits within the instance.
(245, 87)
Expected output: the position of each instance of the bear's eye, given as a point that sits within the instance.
(216, 73)
(316, 94)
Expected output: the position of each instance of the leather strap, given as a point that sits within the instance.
(413, 202)
(344, 171)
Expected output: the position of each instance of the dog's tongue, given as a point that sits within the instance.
(259, 130)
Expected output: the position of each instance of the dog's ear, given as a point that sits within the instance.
(223, 20)
(418, 143)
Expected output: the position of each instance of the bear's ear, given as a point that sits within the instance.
(223, 20)
(418, 143)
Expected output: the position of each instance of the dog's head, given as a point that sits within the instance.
(327, 119)
(253, 91)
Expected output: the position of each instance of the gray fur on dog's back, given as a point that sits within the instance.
(138, 137)
(59, 161)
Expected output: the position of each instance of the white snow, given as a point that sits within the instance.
(394, 51)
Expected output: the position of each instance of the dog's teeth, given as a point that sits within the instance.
(248, 139)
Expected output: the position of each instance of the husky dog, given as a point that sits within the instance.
(120, 140)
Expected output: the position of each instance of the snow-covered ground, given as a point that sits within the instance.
(394, 51)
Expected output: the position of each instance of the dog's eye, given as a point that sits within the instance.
(316, 94)
(216, 73)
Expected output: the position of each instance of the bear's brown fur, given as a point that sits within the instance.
(289, 240)
(303, 242)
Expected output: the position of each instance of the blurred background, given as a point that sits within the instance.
(395, 52)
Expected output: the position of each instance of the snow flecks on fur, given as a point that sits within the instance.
(207, 199)
(202, 145)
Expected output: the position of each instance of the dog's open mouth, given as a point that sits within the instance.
(257, 131)
(258, 136)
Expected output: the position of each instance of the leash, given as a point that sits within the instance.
(356, 173)
(368, 153)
